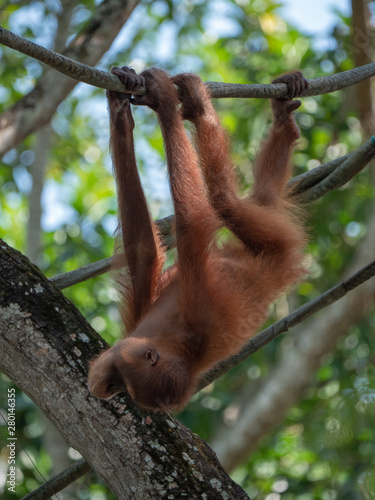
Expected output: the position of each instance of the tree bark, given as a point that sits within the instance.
(46, 346)
(363, 53)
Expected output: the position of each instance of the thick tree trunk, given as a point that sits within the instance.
(45, 347)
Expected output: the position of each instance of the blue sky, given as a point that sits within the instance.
(314, 16)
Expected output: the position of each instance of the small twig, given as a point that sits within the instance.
(102, 266)
(300, 314)
(106, 80)
(84, 273)
(59, 482)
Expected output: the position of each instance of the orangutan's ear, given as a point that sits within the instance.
(153, 356)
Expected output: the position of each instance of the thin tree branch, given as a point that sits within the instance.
(307, 187)
(65, 280)
(353, 164)
(102, 79)
(60, 481)
(317, 86)
(74, 69)
(311, 178)
(300, 314)
(37, 107)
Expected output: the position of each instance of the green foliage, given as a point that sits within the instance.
(325, 448)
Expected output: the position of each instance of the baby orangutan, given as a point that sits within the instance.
(182, 321)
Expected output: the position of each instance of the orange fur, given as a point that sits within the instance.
(181, 322)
